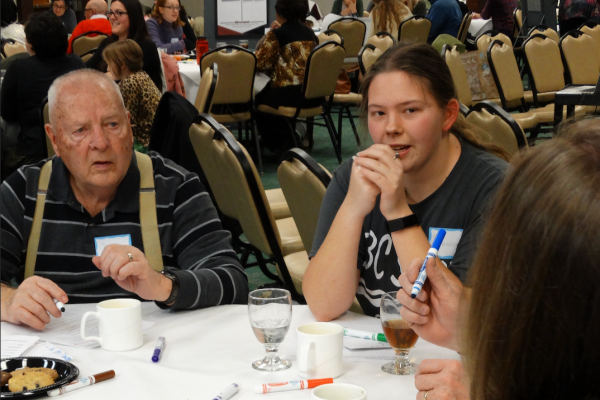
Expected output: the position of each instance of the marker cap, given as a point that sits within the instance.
(313, 383)
(156, 355)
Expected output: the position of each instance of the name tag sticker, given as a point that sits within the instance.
(102, 242)
(449, 244)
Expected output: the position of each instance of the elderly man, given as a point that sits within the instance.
(93, 200)
(95, 20)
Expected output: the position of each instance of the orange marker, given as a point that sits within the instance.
(291, 385)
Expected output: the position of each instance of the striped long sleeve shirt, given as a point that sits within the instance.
(194, 245)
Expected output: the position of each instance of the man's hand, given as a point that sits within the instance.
(31, 302)
(476, 16)
(135, 276)
(434, 313)
(275, 25)
(442, 380)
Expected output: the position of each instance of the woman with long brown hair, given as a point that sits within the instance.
(387, 15)
(530, 326)
(427, 170)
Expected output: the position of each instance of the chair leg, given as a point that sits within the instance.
(257, 144)
(353, 126)
(334, 136)
(340, 118)
(263, 266)
(292, 127)
(240, 131)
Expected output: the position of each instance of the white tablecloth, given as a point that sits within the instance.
(190, 74)
(478, 26)
(209, 349)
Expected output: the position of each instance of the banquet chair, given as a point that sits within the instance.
(544, 30)
(320, 78)
(592, 29)
(233, 101)
(510, 87)
(353, 31)
(501, 128)
(45, 116)
(382, 40)
(367, 57)
(206, 90)
(304, 183)
(240, 195)
(580, 57)
(330, 35)
(464, 27)
(483, 41)
(87, 55)
(13, 48)
(415, 28)
(366, 14)
(518, 24)
(84, 42)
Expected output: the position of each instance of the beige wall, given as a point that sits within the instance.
(326, 5)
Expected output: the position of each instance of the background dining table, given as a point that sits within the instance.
(207, 350)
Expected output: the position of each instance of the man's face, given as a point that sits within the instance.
(92, 134)
(88, 12)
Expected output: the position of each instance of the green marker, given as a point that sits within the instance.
(379, 337)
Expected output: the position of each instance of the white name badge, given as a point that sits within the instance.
(102, 242)
(449, 244)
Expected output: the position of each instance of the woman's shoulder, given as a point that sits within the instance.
(483, 159)
(152, 22)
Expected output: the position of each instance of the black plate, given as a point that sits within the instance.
(67, 373)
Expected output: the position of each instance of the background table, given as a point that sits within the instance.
(190, 74)
(209, 349)
(571, 96)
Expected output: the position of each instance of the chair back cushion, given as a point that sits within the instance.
(504, 63)
(484, 40)
(323, 68)
(542, 30)
(330, 36)
(236, 75)
(499, 131)
(464, 27)
(82, 44)
(595, 34)
(545, 64)
(368, 56)
(415, 29)
(14, 48)
(304, 194)
(581, 59)
(353, 31)
(204, 91)
(459, 76)
(382, 42)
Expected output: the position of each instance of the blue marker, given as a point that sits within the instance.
(160, 345)
(432, 253)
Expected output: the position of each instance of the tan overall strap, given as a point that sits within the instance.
(148, 221)
(36, 226)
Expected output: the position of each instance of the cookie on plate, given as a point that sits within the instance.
(49, 371)
(29, 380)
(5, 376)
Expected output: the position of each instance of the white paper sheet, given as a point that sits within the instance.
(15, 345)
(65, 330)
(46, 349)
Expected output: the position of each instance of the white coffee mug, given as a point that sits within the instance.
(319, 350)
(339, 391)
(120, 322)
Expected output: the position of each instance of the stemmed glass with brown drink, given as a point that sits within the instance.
(398, 334)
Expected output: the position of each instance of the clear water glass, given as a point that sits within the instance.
(270, 313)
(398, 334)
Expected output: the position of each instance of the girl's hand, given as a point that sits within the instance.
(380, 168)
(362, 193)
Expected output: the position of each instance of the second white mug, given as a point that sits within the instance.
(120, 324)
(319, 350)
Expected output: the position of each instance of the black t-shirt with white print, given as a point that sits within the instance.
(459, 205)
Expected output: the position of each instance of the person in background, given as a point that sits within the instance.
(26, 84)
(165, 26)
(529, 324)
(95, 20)
(427, 170)
(66, 15)
(573, 13)
(189, 37)
(501, 13)
(125, 60)
(445, 17)
(348, 8)
(8, 12)
(387, 15)
(283, 58)
(127, 20)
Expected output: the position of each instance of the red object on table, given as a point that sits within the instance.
(201, 48)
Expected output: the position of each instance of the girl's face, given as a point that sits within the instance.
(170, 12)
(402, 114)
(120, 24)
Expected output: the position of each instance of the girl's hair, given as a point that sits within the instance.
(137, 25)
(125, 52)
(292, 10)
(387, 14)
(424, 63)
(533, 327)
(158, 16)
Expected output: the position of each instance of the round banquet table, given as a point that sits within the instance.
(190, 74)
(207, 350)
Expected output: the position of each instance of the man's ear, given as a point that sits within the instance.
(52, 135)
